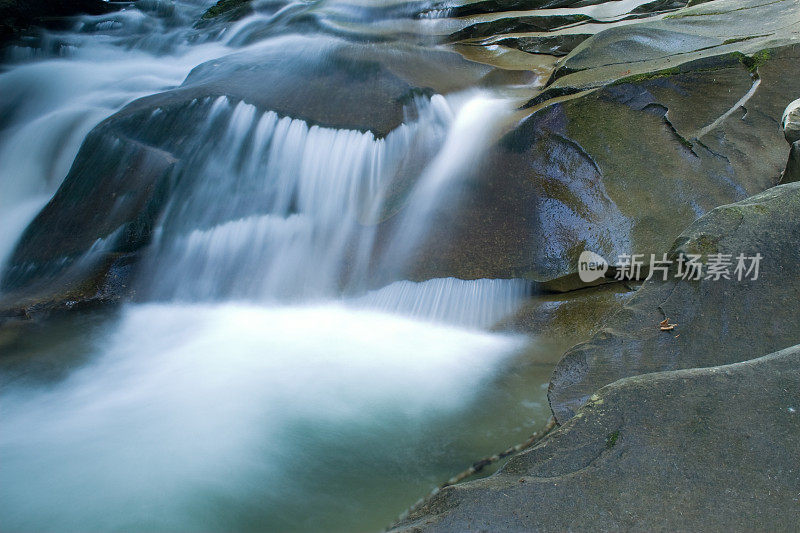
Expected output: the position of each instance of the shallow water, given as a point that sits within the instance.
(241, 417)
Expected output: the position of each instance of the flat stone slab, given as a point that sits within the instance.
(711, 449)
(710, 29)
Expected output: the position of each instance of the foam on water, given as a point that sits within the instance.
(187, 403)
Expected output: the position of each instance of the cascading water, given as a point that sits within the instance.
(260, 381)
(54, 94)
(295, 196)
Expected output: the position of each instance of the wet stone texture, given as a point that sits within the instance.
(718, 321)
(623, 169)
(702, 449)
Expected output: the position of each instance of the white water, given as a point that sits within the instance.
(294, 201)
(193, 400)
(261, 351)
(468, 303)
(50, 101)
(301, 201)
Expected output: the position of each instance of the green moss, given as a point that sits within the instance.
(638, 78)
(611, 439)
(756, 60)
(750, 62)
(740, 39)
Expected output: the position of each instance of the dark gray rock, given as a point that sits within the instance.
(229, 9)
(623, 169)
(792, 171)
(295, 78)
(126, 169)
(525, 24)
(556, 45)
(82, 245)
(718, 321)
(692, 450)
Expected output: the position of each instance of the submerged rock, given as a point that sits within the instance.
(701, 449)
(719, 321)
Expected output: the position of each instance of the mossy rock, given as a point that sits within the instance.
(568, 318)
(231, 9)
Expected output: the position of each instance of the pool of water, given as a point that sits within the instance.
(242, 417)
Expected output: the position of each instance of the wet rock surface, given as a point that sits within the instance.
(711, 449)
(641, 133)
(707, 30)
(570, 314)
(129, 165)
(719, 321)
(792, 171)
(381, 81)
(623, 169)
(82, 246)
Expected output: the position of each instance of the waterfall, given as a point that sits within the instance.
(54, 94)
(301, 201)
(296, 200)
(471, 303)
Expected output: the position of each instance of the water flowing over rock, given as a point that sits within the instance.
(561, 171)
(340, 242)
(623, 169)
(299, 190)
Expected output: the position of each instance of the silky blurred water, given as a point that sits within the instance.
(257, 382)
(240, 417)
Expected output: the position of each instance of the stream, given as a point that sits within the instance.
(280, 367)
